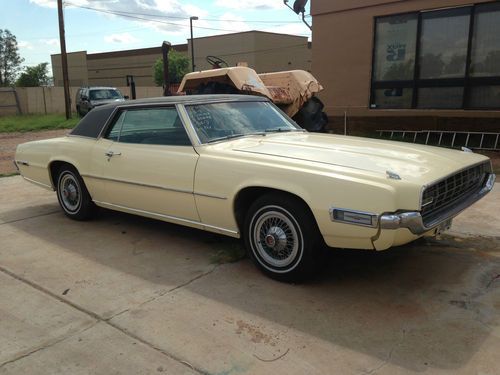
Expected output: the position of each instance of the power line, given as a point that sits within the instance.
(120, 12)
(151, 20)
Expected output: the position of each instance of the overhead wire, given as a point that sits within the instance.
(120, 12)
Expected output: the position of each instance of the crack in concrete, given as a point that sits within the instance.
(48, 344)
(107, 321)
(161, 294)
(31, 217)
(388, 357)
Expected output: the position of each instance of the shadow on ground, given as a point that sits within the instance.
(430, 304)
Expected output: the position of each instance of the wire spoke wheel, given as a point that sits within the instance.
(70, 192)
(276, 239)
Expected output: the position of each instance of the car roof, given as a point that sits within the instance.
(187, 99)
(94, 121)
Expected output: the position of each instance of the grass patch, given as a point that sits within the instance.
(28, 123)
(9, 174)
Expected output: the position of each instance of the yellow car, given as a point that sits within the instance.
(237, 165)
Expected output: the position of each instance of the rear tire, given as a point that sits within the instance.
(282, 238)
(73, 195)
(311, 116)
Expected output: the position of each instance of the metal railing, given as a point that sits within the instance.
(446, 138)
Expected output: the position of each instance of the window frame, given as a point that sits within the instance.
(115, 117)
(467, 81)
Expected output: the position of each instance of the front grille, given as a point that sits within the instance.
(443, 195)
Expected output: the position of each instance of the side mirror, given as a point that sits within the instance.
(126, 97)
(84, 97)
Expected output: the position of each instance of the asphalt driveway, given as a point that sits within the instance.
(127, 295)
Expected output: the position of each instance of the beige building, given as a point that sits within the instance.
(110, 68)
(426, 64)
(263, 51)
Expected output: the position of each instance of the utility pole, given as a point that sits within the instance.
(64, 60)
(191, 19)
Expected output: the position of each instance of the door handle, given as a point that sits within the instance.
(110, 154)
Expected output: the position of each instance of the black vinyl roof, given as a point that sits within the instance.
(94, 121)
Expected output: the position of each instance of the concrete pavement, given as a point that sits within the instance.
(127, 295)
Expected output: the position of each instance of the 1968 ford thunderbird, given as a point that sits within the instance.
(238, 166)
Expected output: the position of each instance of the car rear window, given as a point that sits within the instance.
(93, 122)
(105, 94)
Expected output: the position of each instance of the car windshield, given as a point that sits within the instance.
(105, 94)
(219, 121)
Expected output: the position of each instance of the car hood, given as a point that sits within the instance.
(411, 162)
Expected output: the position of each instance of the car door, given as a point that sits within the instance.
(150, 163)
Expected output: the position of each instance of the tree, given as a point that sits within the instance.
(178, 66)
(10, 61)
(34, 76)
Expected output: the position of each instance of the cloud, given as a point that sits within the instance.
(121, 38)
(22, 44)
(45, 3)
(237, 22)
(250, 4)
(50, 42)
(163, 15)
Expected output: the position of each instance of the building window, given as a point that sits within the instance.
(396, 46)
(445, 59)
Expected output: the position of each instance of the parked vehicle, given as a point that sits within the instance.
(239, 166)
(88, 98)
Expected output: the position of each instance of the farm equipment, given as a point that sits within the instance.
(292, 91)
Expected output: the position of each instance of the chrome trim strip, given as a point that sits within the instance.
(210, 196)
(138, 184)
(155, 186)
(188, 125)
(414, 222)
(108, 122)
(38, 183)
(170, 218)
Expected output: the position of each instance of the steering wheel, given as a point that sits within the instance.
(217, 62)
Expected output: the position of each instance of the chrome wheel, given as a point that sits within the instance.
(276, 239)
(70, 192)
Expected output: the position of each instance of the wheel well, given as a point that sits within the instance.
(247, 196)
(54, 167)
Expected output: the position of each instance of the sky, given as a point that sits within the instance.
(141, 23)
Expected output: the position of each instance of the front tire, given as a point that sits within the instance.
(282, 238)
(73, 195)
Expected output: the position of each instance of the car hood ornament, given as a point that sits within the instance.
(392, 175)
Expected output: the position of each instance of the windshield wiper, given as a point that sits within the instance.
(233, 136)
(280, 130)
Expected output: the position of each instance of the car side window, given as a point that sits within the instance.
(114, 131)
(155, 126)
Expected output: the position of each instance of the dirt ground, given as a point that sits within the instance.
(9, 142)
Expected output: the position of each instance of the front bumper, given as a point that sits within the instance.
(414, 222)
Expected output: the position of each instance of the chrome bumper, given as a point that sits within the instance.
(414, 222)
